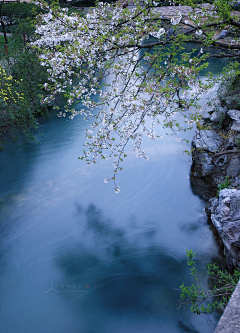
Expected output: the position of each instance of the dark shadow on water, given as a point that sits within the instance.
(186, 328)
(122, 276)
(126, 281)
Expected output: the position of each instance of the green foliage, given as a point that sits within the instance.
(13, 12)
(20, 110)
(14, 115)
(222, 285)
(229, 88)
(223, 8)
(19, 116)
(2, 42)
(225, 184)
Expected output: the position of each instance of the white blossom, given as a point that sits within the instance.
(160, 32)
(198, 32)
(96, 60)
(176, 19)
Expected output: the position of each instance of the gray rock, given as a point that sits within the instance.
(233, 168)
(223, 34)
(230, 144)
(208, 109)
(235, 126)
(205, 160)
(218, 115)
(221, 161)
(235, 4)
(225, 216)
(236, 183)
(231, 99)
(208, 140)
(230, 320)
(204, 111)
(234, 114)
(170, 32)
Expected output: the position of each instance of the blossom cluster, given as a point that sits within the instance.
(126, 82)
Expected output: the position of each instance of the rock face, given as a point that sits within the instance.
(210, 166)
(224, 212)
(215, 156)
(235, 116)
(208, 140)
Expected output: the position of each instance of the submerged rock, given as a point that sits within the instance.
(224, 213)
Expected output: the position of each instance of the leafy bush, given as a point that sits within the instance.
(20, 110)
(13, 12)
(229, 88)
(225, 184)
(15, 116)
(222, 286)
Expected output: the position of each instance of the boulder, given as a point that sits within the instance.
(218, 115)
(207, 140)
(234, 114)
(230, 99)
(207, 171)
(205, 160)
(211, 111)
(169, 32)
(235, 126)
(233, 169)
(224, 213)
(223, 34)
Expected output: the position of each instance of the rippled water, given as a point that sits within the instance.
(75, 257)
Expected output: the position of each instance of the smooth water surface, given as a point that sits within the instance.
(75, 257)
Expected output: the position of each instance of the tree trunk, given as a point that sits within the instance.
(4, 32)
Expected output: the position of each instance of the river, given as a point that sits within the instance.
(75, 257)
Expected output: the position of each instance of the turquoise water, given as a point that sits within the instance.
(75, 257)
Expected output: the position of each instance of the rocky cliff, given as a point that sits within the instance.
(216, 165)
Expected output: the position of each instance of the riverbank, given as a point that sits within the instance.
(215, 173)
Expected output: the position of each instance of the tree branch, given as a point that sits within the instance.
(237, 151)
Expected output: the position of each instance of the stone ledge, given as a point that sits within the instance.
(230, 320)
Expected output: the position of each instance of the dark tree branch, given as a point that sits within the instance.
(237, 151)
(2, 24)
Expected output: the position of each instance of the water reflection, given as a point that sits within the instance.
(186, 328)
(124, 279)
(129, 284)
(61, 226)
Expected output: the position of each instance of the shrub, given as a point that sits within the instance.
(222, 285)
